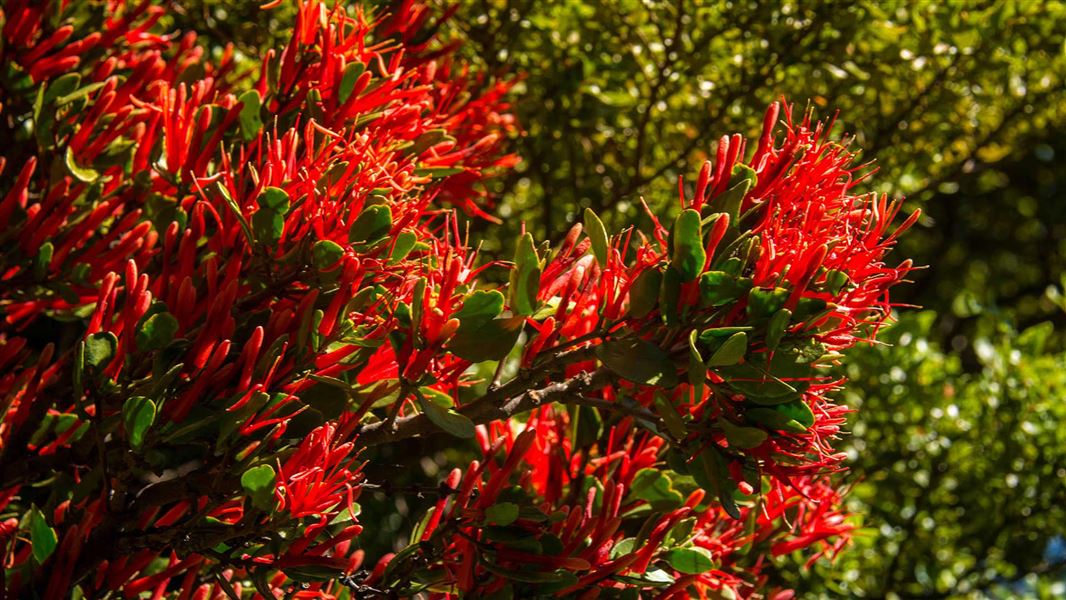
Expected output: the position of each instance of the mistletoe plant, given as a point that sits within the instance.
(220, 287)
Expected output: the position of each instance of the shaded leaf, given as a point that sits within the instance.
(597, 235)
(688, 253)
(492, 340)
(450, 421)
(501, 513)
(157, 331)
(100, 349)
(742, 437)
(372, 224)
(325, 254)
(644, 293)
(525, 277)
(250, 119)
(718, 288)
(691, 561)
(43, 538)
(138, 414)
(730, 352)
(258, 482)
(639, 361)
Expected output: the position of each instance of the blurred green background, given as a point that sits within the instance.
(959, 443)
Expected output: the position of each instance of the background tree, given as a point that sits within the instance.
(958, 472)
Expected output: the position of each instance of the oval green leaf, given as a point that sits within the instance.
(688, 255)
(138, 414)
(638, 361)
(597, 235)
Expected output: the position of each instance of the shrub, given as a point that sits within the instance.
(222, 290)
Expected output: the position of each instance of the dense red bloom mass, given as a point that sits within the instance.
(219, 289)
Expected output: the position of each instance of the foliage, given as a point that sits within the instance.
(222, 289)
(958, 475)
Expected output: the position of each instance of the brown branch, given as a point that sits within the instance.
(508, 400)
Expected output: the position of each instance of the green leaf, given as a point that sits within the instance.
(653, 578)
(79, 93)
(586, 426)
(673, 421)
(525, 277)
(325, 254)
(427, 140)
(372, 224)
(492, 340)
(764, 303)
(405, 242)
(779, 381)
(775, 330)
(419, 529)
(258, 482)
(501, 513)
(697, 370)
(670, 296)
(61, 86)
(138, 414)
(680, 533)
(156, 332)
(718, 288)
(731, 351)
(692, 561)
(83, 174)
(437, 397)
(624, 547)
(709, 471)
(742, 437)
(328, 399)
(236, 210)
(644, 293)
(349, 76)
(100, 349)
(269, 221)
(313, 573)
(688, 252)
(638, 361)
(274, 198)
(809, 307)
(797, 410)
(40, 263)
(715, 336)
(43, 539)
(835, 281)
(654, 486)
(531, 575)
(438, 172)
(774, 419)
(479, 308)
(741, 181)
(251, 122)
(597, 235)
(450, 421)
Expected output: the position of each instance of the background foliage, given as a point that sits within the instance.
(958, 449)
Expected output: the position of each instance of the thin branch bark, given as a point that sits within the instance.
(510, 399)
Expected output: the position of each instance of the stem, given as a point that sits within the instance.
(512, 398)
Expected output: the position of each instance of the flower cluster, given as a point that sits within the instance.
(220, 287)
